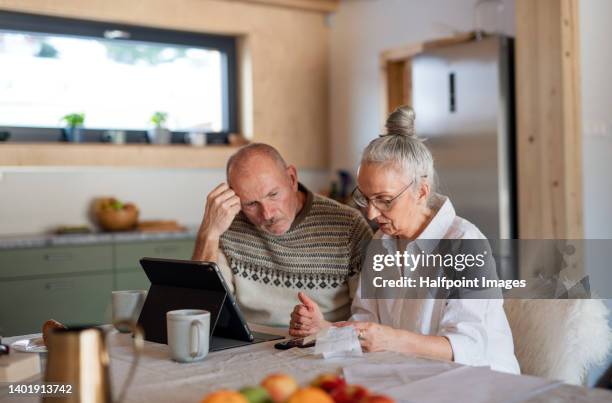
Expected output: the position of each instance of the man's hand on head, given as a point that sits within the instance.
(222, 206)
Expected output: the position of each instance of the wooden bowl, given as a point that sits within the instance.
(117, 220)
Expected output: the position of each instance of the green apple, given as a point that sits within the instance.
(256, 394)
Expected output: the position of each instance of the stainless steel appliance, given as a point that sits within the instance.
(463, 97)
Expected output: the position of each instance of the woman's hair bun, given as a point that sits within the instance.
(401, 122)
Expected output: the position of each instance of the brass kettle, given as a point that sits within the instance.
(78, 356)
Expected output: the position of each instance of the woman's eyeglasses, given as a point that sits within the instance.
(380, 203)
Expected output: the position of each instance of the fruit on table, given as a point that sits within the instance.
(279, 386)
(114, 215)
(310, 395)
(256, 394)
(328, 382)
(110, 203)
(349, 394)
(225, 396)
(377, 399)
(282, 388)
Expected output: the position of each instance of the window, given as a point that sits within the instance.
(117, 75)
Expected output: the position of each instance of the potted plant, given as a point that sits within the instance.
(159, 134)
(74, 123)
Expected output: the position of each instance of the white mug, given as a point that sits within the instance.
(127, 305)
(188, 334)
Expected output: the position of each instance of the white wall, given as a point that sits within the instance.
(596, 55)
(361, 31)
(35, 200)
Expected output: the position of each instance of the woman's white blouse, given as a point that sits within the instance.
(477, 329)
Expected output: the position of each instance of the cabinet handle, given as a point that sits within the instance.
(452, 96)
(166, 249)
(58, 257)
(59, 285)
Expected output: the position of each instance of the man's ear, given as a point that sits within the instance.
(293, 179)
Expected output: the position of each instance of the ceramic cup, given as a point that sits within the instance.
(188, 334)
(127, 305)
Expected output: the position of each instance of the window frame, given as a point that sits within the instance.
(35, 23)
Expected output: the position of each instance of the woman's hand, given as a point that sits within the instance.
(306, 318)
(375, 337)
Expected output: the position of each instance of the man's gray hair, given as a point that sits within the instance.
(401, 149)
(251, 150)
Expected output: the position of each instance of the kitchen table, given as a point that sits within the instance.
(407, 378)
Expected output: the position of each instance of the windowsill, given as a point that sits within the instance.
(113, 155)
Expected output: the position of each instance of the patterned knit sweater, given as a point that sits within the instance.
(320, 254)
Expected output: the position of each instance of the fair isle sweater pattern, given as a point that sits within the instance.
(321, 250)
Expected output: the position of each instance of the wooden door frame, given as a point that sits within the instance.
(549, 128)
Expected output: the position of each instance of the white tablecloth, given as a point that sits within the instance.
(410, 379)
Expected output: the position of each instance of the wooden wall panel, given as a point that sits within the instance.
(310, 5)
(395, 84)
(548, 114)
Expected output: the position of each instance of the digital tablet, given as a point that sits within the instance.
(188, 284)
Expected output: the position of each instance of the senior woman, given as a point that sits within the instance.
(395, 186)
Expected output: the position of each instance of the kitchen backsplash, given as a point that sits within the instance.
(35, 200)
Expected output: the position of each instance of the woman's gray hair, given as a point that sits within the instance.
(400, 148)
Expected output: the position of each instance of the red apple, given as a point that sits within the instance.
(280, 387)
(349, 394)
(329, 382)
(377, 399)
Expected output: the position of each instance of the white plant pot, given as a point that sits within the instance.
(159, 136)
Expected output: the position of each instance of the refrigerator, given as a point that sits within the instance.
(463, 97)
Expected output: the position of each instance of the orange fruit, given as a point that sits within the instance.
(310, 395)
(225, 396)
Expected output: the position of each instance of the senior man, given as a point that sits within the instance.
(271, 237)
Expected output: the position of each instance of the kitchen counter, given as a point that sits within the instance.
(45, 240)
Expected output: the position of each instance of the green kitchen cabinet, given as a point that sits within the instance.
(76, 299)
(128, 254)
(68, 283)
(47, 261)
(131, 280)
(73, 283)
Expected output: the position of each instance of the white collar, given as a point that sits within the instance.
(438, 227)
